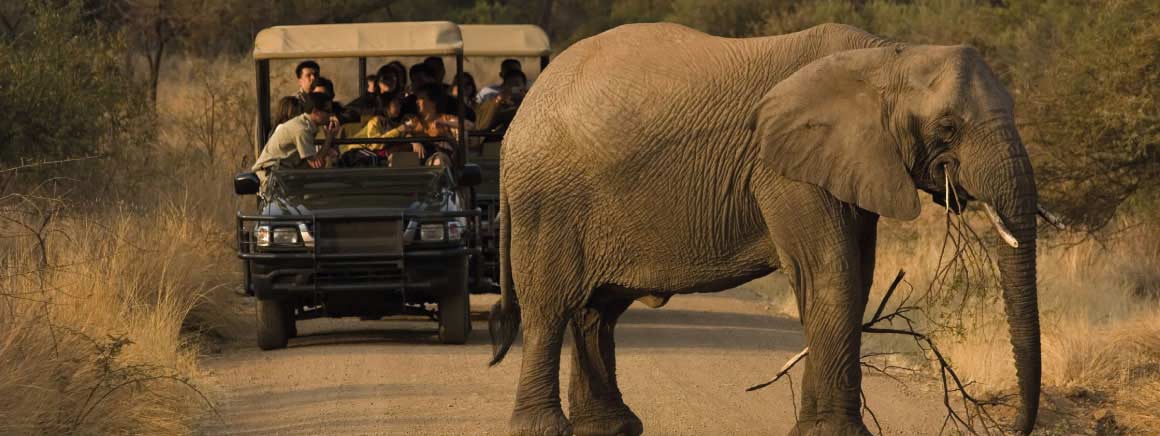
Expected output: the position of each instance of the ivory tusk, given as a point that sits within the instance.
(1051, 218)
(1000, 227)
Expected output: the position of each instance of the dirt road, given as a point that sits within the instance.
(683, 369)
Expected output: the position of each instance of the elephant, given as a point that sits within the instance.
(653, 160)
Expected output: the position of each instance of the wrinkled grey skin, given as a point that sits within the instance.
(654, 160)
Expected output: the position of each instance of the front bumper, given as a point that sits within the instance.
(391, 266)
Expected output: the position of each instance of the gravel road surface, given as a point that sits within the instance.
(683, 369)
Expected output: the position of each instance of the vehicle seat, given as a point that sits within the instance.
(404, 159)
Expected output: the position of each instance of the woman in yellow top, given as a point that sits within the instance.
(432, 121)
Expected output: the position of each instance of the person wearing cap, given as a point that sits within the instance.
(292, 143)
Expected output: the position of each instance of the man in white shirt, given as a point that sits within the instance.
(292, 143)
(491, 91)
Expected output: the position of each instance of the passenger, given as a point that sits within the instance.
(288, 107)
(368, 103)
(432, 121)
(401, 73)
(437, 67)
(468, 98)
(323, 85)
(497, 112)
(388, 79)
(490, 91)
(306, 71)
(292, 143)
(421, 75)
(369, 82)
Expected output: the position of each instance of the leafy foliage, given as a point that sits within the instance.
(62, 87)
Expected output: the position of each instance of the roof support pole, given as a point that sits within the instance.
(262, 82)
(461, 144)
(362, 73)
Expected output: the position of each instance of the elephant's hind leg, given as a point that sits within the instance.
(538, 410)
(596, 407)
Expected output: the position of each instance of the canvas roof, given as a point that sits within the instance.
(429, 38)
(504, 40)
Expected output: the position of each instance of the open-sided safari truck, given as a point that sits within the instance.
(522, 42)
(370, 241)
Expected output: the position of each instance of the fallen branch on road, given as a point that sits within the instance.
(974, 409)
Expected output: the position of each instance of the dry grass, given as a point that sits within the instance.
(100, 327)
(94, 343)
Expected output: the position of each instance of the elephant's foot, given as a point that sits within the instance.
(605, 420)
(539, 422)
(843, 426)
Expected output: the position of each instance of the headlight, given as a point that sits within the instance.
(284, 236)
(431, 232)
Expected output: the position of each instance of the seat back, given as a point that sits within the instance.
(404, 159)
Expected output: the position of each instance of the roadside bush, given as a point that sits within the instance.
(64, 89)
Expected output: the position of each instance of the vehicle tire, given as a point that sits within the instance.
(291, 323)
(455, 309)
(273, 329)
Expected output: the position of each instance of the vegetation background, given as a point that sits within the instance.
(125, 119)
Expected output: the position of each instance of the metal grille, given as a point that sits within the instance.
(381, 273)
(361, 237)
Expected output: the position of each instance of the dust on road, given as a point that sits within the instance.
(683, 369)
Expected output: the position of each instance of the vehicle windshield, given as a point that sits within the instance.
(360, 181)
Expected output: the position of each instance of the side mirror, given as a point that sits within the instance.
(246, 184)
(470, 175)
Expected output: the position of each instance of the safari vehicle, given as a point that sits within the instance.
(496, 42)
(367, 242)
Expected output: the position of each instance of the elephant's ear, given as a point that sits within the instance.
(825, 125)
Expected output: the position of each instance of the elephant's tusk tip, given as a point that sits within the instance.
(1051, 218)
(1001, 228)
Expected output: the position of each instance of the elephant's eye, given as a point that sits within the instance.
(945, 130)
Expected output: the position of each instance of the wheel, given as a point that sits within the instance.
(273, 328)
(291, 323)
(455, 308)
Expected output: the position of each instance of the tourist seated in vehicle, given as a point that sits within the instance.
(367, 103)
(292, 144)
(431, 121)
(466, 81)
(437, 68)
(495, 113)
(288, 107)
(306, 72)
(491, 91)
(323, 85)
(400, 73)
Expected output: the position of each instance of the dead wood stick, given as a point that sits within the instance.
(784, 369)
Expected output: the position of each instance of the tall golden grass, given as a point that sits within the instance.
(100, 325)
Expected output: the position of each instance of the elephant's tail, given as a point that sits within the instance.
(504, 322)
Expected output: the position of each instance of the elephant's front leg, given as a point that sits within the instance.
(596, 407)
(833, 378)
(822, 247)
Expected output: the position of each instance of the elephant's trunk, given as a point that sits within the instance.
(1004, 181)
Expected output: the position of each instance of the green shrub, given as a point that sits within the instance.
(63, 88)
